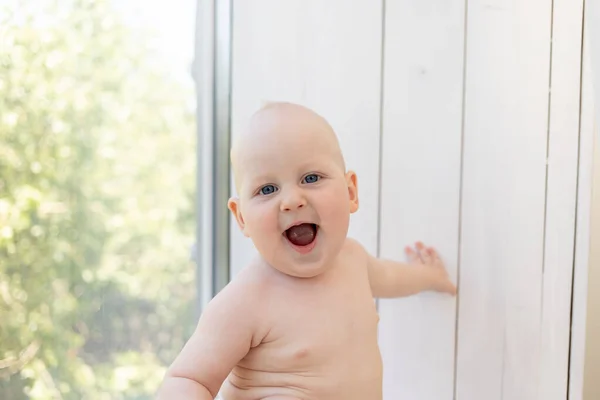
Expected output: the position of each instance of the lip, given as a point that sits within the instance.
(302, 249)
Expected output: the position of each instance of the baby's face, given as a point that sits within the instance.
(295, 198)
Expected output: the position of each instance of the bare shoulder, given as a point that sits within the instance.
(354, 250)
(245, 297)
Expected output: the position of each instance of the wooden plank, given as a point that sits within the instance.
(561, 198)
(327, 56)
(591, 386)
(503, 196)
(582, 233)
(422, 117)
(584, 339)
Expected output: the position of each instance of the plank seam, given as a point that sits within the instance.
(381, 127)
(577, 181)
(460, 196)
(548, 127)
(549, 122)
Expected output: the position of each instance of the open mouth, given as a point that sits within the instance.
(302, 236)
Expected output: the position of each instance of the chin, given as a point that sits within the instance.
(304, 271)
(302, 266)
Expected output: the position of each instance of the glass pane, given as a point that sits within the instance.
(97, 196)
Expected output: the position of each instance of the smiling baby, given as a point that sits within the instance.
(299, 322)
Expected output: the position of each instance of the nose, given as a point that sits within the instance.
(292, 200)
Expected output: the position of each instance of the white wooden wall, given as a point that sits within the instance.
(326, 55)
(444, 109)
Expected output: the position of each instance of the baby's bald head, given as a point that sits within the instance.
(288, 124)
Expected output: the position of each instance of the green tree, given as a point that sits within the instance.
(97, 164)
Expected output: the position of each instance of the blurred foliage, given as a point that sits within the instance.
(97, 164)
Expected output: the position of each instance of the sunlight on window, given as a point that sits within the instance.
(97, 196)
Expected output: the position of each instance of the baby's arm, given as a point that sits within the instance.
(224, 335)
(424, 272)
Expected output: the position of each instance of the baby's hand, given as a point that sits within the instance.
(427, 257)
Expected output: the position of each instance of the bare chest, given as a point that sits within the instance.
(323, 343)
(315, 330)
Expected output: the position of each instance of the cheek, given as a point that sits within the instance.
(261, 220)
(334, 205)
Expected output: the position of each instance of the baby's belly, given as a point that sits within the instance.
(322, 383)
(267, 386)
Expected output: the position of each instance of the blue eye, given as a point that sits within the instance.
(267, 189)
(312, 178)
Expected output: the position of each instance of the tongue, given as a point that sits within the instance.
(301, 235)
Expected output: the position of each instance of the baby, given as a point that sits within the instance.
(299, 322)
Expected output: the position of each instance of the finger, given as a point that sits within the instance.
(412, 255)
(421, 250)
(426, 255)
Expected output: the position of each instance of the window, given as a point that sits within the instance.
(97, 196)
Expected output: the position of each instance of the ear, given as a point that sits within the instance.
(351, 181)
(234, 206)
